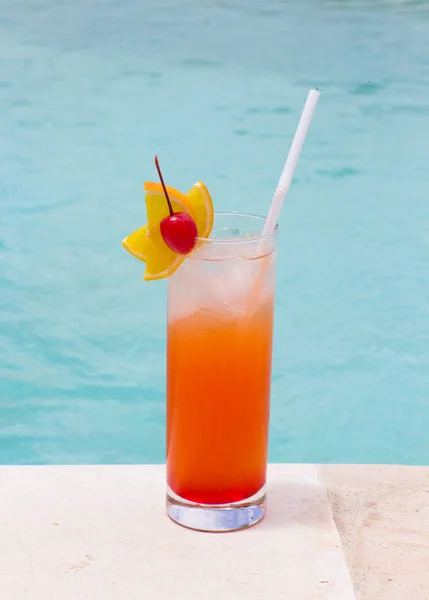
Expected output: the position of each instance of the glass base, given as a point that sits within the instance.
(216, 517)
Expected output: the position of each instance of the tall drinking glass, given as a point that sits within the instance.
(219, 348)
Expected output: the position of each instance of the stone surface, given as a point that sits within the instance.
(100, 532)
(382, 513)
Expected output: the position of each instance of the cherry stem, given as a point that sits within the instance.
(163, 186)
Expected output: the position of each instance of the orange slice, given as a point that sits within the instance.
(203, 206)
(147, 243)
(160, 260)
(157, 207)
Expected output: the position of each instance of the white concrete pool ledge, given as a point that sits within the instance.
(100, 532)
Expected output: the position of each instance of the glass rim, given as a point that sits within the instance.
(237, 241)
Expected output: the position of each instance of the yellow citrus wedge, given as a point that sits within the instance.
(203, 206)
(147, 244)
(160, 260)
(157, 207)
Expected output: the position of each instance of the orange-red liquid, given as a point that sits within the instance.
(218, 397)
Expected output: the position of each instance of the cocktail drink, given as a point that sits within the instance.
(221, 270)
(219, 348)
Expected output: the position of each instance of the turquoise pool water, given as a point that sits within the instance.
(89, 91)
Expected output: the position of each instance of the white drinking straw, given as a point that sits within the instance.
(291, 162)
(283, 186)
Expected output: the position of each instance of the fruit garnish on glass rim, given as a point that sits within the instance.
(178, 230)
(153, 242)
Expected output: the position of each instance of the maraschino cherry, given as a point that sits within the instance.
(178, 229)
